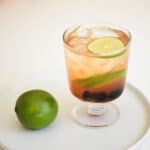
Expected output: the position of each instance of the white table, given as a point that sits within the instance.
(31, 36)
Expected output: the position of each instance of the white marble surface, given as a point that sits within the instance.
(31, 36)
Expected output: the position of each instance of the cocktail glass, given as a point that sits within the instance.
(96, 60)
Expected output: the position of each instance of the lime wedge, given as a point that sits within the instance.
(106, 47)
(97, 79)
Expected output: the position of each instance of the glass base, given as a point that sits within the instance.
(96, 115)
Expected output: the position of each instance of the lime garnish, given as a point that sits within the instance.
(106, 47)
(97, 79)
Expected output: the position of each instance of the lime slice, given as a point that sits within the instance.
(106, 47)
(97, 79)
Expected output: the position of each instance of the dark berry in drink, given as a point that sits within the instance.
(114, 94)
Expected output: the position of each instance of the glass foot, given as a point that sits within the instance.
(96, 115)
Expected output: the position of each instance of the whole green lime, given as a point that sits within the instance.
(36, 109)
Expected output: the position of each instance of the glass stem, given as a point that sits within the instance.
(96, 109)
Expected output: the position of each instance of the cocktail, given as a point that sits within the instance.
(96, 60)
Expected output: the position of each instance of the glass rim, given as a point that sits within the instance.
(105, 26)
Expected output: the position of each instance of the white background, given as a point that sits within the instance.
(31, 36)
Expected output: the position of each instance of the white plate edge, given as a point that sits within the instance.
(147, 133)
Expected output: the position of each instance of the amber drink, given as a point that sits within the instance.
(96, 60)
